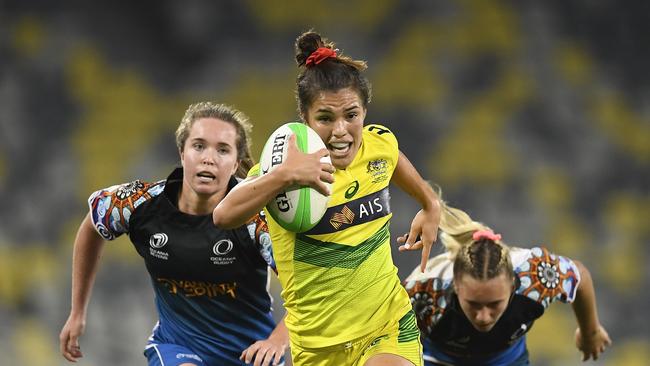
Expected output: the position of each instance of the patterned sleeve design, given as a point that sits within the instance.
(429, 301)
(111, 208)
(259, 232)
(546, 277)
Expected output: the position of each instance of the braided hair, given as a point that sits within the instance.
(482, 256)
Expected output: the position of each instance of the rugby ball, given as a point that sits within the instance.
(298, 208)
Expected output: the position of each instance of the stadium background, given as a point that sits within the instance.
(533, 116)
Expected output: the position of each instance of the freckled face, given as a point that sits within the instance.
(484, 301)
(209, 157)
(337, 117)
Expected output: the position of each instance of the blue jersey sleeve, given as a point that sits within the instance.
(545, 276)
(111, 208)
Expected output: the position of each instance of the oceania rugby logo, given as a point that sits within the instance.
(158, 240)
(222, 247)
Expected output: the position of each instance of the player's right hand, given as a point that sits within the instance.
(308, 169)
(267, 352)
(69, 338)
(592, 345)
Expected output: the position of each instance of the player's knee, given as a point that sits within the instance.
(386, 359)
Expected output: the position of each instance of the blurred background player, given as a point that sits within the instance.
(210, 284)
(340, 286)
(476, 302)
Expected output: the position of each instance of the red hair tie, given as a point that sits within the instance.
(318, 56)
(486, 234)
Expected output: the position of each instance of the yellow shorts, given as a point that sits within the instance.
(399, 337)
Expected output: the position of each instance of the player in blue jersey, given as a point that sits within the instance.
(210, 284)
(476, 301)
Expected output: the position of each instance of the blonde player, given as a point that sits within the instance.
(476, 302)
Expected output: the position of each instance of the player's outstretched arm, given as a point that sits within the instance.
(88, 248)
(268, 351)
(591, 338)
(425, 223)
(251, 195)
(247, 199)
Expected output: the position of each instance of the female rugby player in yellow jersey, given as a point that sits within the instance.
(344, 302)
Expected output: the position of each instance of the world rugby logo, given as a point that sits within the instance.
(222, 247)
(158, 240)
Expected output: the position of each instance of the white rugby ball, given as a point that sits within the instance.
(298, 208)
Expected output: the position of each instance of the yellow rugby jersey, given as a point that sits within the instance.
(339, 281)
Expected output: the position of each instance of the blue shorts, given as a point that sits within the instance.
(166, 354)
(516, 355)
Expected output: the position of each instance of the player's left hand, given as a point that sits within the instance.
(264, 352)
(592, 345)
(423, 233)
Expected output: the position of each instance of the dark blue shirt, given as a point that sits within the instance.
(211, 284)
(449, 338)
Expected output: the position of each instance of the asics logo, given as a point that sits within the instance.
(352, 189)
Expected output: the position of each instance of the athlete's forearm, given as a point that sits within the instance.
(88, 248)
(584, 305)
(281, 333)
(407, 178)
(248, 198)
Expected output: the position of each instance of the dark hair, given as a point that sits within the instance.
(224, 113)
(332, 74)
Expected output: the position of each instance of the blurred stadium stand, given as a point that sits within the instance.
(533, 116)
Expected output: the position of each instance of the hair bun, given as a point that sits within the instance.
(306, 44)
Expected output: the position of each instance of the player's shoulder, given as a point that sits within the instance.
(429, 291)
(111, 208)
(440, 266)
(381, 148)
(523, 259)
(375, 131)
(544, 276)
(437, 277)
(131, 193)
